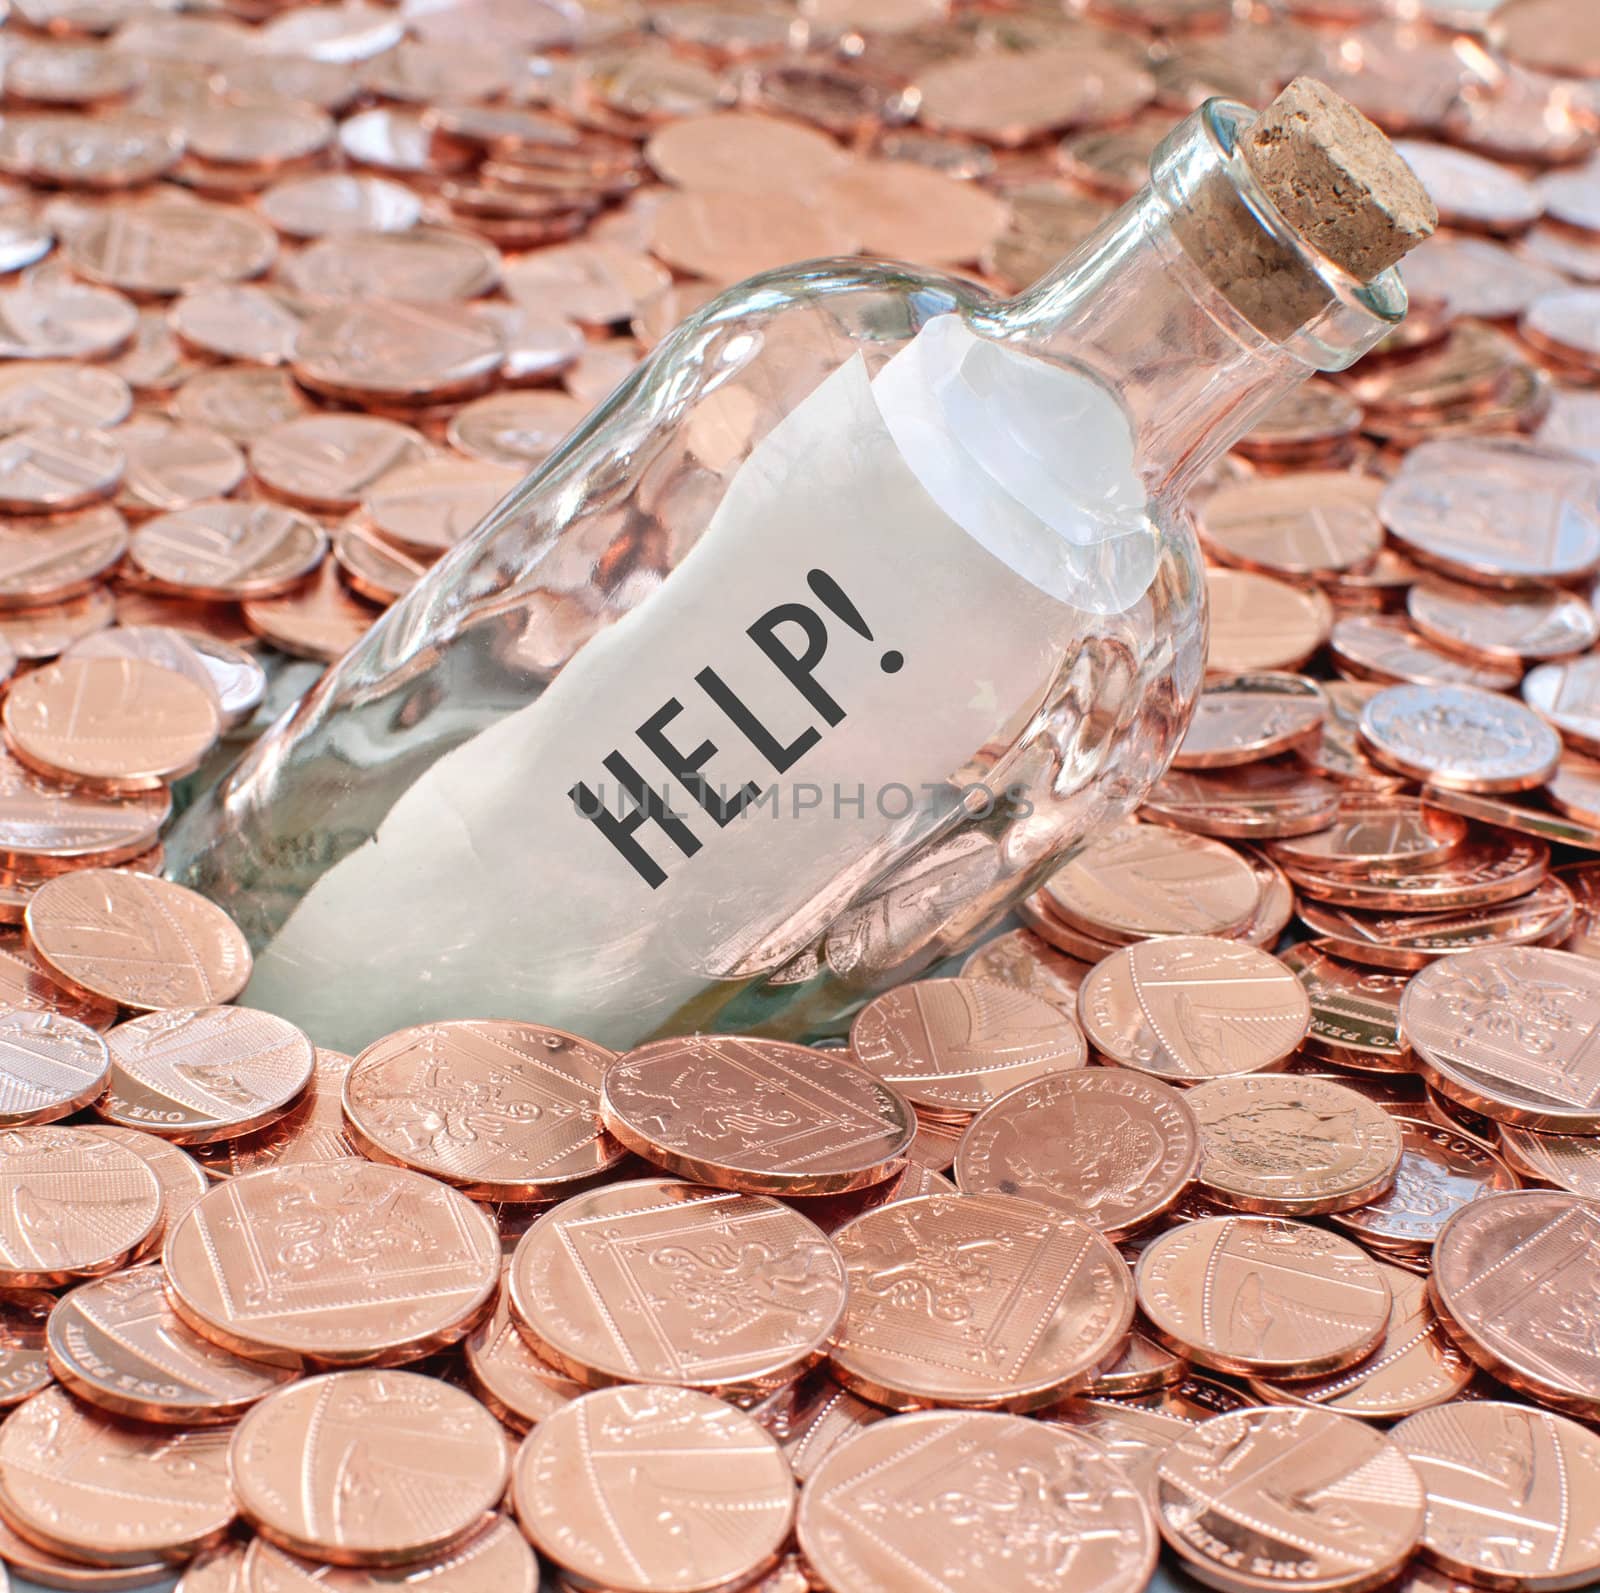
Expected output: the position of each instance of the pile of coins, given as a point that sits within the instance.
(1244, 1205)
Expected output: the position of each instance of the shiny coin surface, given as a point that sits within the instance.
(1085, 1514)
(1355, 1011)
(515, 1383)
(1372, 831)
(1514, 625)
(1260, 801)
(120, 723)
(1141, 1366)
(1510, 1032)
(1193, 1008)
(432, 1460)
(1566, 1161)
(47, 559)
(1263, 1296)
(1259, 623)
(1046, 1297)
(1109, 1148)
(92, 1488)
(1460, 737)
(1021, 958)
(1248, 717)
(319, 619)
(695, 1252)
(228, 550)
(193, 1074)
(427, 508)
(757, 1115)
(1266, 1489)
(1490, 867)
(312, 1130)
(1309, 523)
(1568, 695)
(49, 1067)
(504, 1111)
(329, 461)
(496, 1556)
(955, 1045)
(812, 1417)
(577, 1479)
(1291, 1145)
(181, 1179)
(333, 1263)
(1384, 648)
(50, 469)
(1485, 1464)
(233, 676)
(27, 984)
(143, 942)
(45, 822)
(116, 1344)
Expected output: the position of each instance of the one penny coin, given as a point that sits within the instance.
(757, 1115)
(1384, 648)
(235, 678)
(576, 1487)
(1460, 737)
(50, 469)
(1266, 1489)
(75, 1205)
(1046, 1297)
(313, 1130)
(1250, 717)
(28, 985)
(1109, 1148)
(229, 551)
(1355, 1011)
(1142, 1365)
(515, 1383)
(427, 508)
(1565, 1161)
(387, 352)
(1258, 623)
(329, 461)
(1310, 523)
(953, 1046)
(1088, 1519)
(49, 558)
(1263, 1296)
(141, 941)
(338, 1263)
(1021, 958)
(1261, 801)
(1291, 1145)
(46, 824)
(432, 1462)
(372, 567)
(54, 1570)
(496, 1556)
(49, 1067)
(745, 1291)
(180, 1176)
(501, 1110)
(1372, 831)
(116, 1343)
(1568, 695)
(1192, 1008)
(93, 1488)
(318, 619)
(1511, 625)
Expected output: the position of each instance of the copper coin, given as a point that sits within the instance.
(235, 678)
(1461, 737)
(1502, 1508)
(27, 984)
(1109, 1148)
(745, 1290)
(60, 393)
(386, 351)
(1373, 831)
(1339, 753)
(120, 723)
(734, 150)
(597, 284)
(1566, 695)
(811, 1418)
(48, 469)
(1310, 523)
(1021, 958)
(313, 1130)
(338, 1263)
(496, 1556)
(1291, 1145)
(907, 211)
(1263, 1296)
(1470, 190)
(1564, 1161)
(329, 461)
(1315, 415)
(1492, 867)
(1267, 800)
(504, 1111)
(427, 508)
(115, 1343)
(422, 265)
(515, 1383)
(1508, 814)
(76, 1205)
(318, 620)
(519, 429)
(1088, 1521)
(371, 565)
(1255, 1498)
(143, 942)
(432, 1459)
(1250, 717)
(1193, 1008)
(1045, 1296)
(53, 1570)
(49, 1067)
(48, 559)
(955, 1045)
(1138, 881)
(1384, 648)
(1141, 1366)
(172, 467)
(240, 402)
(1510, 1032)
(94, 1489)
(63, 319)
(1512, 625)
(1258, 623)
(729, 236)
(1414, 1368)
(757, 1115)
(1355, 1011)
(181, 1179)
(162, 249)
(577, 1488)
(238, 321)
(228, 551)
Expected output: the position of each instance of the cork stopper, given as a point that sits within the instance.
(1337, 180)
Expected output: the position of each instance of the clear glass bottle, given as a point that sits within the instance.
(879, 592)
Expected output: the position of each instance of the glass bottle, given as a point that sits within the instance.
(829, 635)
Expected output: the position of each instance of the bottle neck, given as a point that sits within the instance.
(1198, 303)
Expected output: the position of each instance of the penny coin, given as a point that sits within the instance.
(318, 620)
(235, 678)
(373, 567)
(1250, 717)
(171, 467)
(421, 265)
(739, 150)
(228, 551)
(1355, 1012)
(27, 985)
(1142, 1365)
(1262, 1296)
(1339, 752)
(577, 1479)
(48, 469)
(1376, 831)
(47, 559)
(1574, 789)
(75, 1204)
(1486, 1464)
(520, 429)
(60, 393)
(1311, 523)
(497, 1556)
(696, 1253)
(757, 1115)
(44, 823)
(313, 1130)
(1258, 623)
(1513, 625)
(953, 1046)
(1384, 648)
(1509, 1032)
(1292, 1145)
(329, 461)
(1110, 1148)
(237, 321)
(1565, 1161)
(1267, 1489)
(1491, 867)
(811, 1418)
(427, 508)
(1139, 881)
(52, 1570)
(1415, 1367)
(431, 1461)
(1046, 1297)
(1567, 695)
(831, 1212)
(53, 318)
(1514, 1279)
(137, 940)
(94, 1489)
(1261, 801)
(952, 1529)
(729, 236)
(192, 1074)
(181, 1179)
(596, 284)
(332, 1263)
(49, 1067)
(515, 1383)
(504, 1111)
(121, 723)
(1471, 190)
(1193, 1008)
(116, 1343)
(315, 205)
(241, 403)
(1021, 958)
(383, 351)
(1461, 737)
